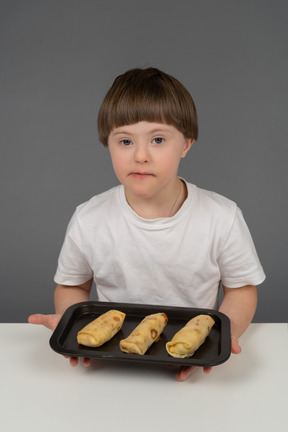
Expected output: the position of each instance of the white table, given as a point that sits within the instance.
(41, 392)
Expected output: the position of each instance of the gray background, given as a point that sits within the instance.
(58, 59)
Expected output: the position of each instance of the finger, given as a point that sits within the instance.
(73, 361)
(184, 372)
(235, 347)
(49, 321)
(86, 362)
(36, 319)
(207, 369)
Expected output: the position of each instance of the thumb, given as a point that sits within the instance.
(235, 347)
(49, 321)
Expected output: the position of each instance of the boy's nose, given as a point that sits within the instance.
(141, 153)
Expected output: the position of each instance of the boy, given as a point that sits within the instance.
(155, 238)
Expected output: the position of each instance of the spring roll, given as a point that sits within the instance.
(102, 329)
(143, 336)
(187, 340)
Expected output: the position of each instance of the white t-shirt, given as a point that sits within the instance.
(177, 261)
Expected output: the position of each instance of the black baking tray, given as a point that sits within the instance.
(214, 351)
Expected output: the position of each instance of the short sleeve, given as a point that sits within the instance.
(238, 261)
(73, 267)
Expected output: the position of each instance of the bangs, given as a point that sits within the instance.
(142, 97)
(142, 105)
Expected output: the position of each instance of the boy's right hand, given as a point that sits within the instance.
(51, 322)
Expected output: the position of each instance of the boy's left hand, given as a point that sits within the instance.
(51, 322)
(185, 371)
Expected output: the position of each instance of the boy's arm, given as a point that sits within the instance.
(65, 296)
(239, 304)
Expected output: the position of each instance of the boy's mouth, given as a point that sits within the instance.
(139, 174)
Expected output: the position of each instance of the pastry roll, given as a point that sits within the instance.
(102, 329)
(187, 340)
(143, 336)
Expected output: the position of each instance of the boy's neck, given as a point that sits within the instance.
(157, 208)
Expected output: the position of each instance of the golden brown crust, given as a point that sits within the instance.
(147, 332)
(102, 329)
(187, 340)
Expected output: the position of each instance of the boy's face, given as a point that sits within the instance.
(146, 156)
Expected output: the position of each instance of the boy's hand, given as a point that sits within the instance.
(51, 322)
(185, 371)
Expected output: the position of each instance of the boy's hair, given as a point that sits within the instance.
(147, 95)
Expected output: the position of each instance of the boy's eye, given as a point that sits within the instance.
(158, 140)
(126, 142)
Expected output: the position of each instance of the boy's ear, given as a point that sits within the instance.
(188, 144)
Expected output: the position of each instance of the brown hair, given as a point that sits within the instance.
(147, 95)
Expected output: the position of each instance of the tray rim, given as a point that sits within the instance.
(66, 318)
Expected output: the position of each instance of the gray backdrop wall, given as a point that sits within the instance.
(58, 59)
